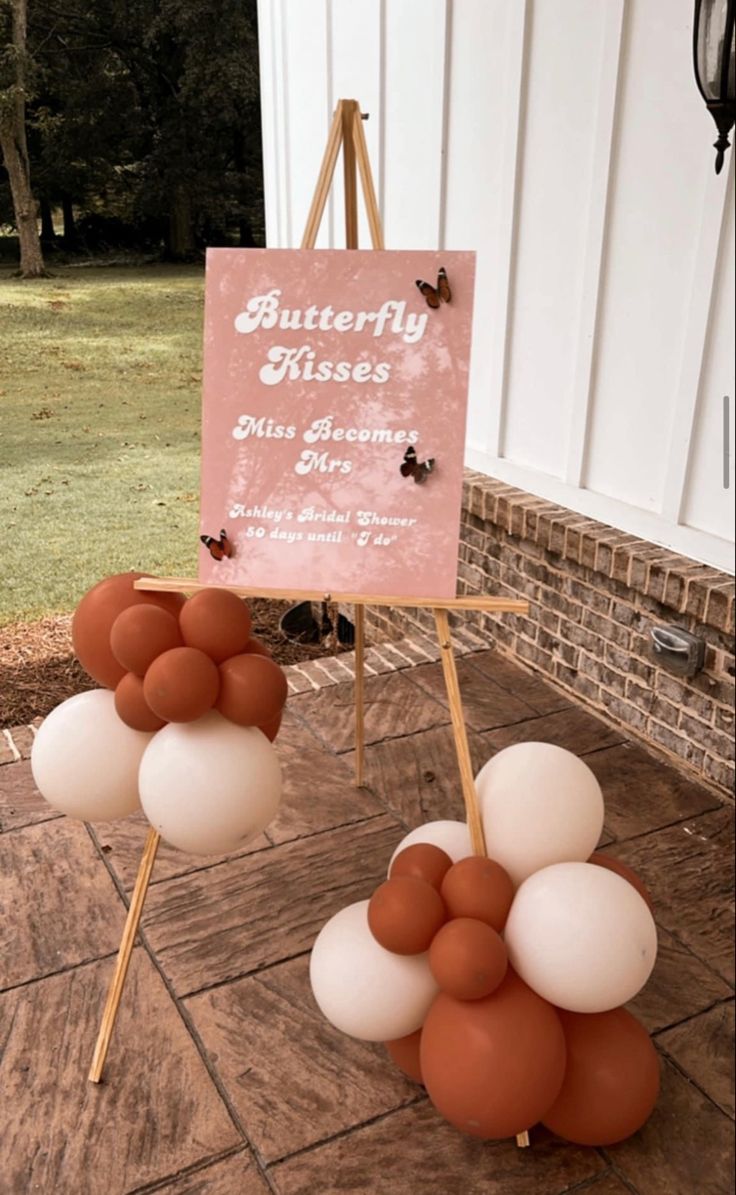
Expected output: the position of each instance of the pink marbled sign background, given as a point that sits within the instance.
(278, 518)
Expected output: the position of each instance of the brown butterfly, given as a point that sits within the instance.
(411, 467)
(217, 548)
(439, 293)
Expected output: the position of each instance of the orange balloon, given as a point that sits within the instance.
(612, 1078)
(468, 959)
(405, 1053)
(623, 870)
(404, 914)
(493, 1067)
(216, 622)
(95, 614)
(252, 690)
(132, 707)
(140, 634)
(424, 861)
(181, 685)
(257, 648)
(272, 728)
(479, 888)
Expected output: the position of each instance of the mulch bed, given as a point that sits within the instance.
(38, 669)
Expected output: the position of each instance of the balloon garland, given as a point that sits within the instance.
(183, 725)
(497, 982)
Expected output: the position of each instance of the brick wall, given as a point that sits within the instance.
(595, 594)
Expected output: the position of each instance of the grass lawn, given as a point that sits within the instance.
(100, 374)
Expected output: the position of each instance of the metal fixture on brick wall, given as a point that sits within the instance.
(713, 60)
(678, 650)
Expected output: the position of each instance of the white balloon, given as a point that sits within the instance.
(452, 837)
(581, 936)
(209, 786)
(540, 805)
(85, 759)
(363, 989)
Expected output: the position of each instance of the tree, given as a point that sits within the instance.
(84, 128)
(195, 69)
(144, 121)
(14, 69)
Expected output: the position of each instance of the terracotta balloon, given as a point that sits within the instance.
(424, 861)
(95, 615)
(272, 728)
(181, 685)
(141, 633)
(255, 647)
(132, 707)
(468, 959)
(216, 622)
(493, 1067)
(623, 870)
(252, 690)
(404, 914)
(404, 1051)
(611, 1082)
(479, 888)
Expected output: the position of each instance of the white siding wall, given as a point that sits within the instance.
(566, 142)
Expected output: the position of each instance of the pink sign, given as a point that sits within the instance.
(334, 419)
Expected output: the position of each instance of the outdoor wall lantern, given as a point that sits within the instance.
(715, 69)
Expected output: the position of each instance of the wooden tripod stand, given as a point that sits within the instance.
(346, 132)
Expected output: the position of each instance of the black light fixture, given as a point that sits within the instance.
(715, 66)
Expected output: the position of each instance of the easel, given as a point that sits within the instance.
(346, 131)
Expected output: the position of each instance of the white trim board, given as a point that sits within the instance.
(688, 541)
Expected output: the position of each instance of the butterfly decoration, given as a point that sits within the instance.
(440, 293)
(412, 467)
(217, 548)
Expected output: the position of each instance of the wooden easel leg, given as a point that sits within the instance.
(366, 178)
(349, 108)
(324, 179)
(126, 949)
(470, 796)
(359, 694)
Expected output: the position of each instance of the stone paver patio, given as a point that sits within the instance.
(223, 1079)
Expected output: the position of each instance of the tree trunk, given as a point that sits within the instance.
(48, 235)
(15, 153)
(24, 205)
(240, 158)
(247, 240)
(180, 240)
(70, 228)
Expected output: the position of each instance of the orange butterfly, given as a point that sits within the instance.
(439, 293)
(217, 548)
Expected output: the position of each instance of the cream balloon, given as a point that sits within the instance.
(581, 937)
(209, 786)
(451, 837)
(362, 989)
(85, 759)
(540, 805)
